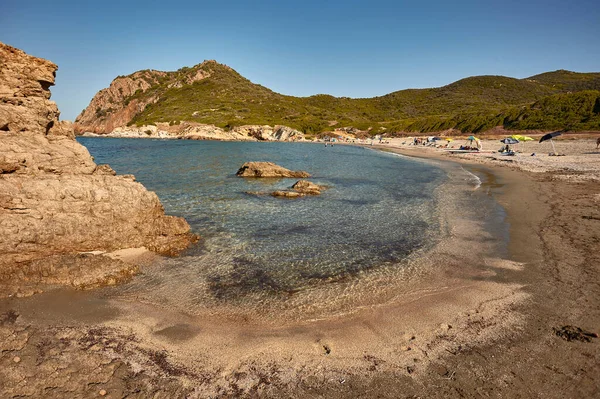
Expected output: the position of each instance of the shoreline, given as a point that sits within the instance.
(398, 362)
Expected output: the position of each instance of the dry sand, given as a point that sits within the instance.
(581, 160)
(475, 324)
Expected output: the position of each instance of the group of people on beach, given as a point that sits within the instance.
(428, 141)
(506, 150)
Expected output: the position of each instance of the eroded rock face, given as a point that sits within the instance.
(198, 131)
(268, 133)
(268, 169)
(54, 200)
(119, 103)
(110, 109)
(25, 104)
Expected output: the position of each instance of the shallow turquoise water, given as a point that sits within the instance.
(379, 209)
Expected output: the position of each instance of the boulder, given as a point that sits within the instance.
(268, 169)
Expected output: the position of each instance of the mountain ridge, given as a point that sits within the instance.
(213, 93)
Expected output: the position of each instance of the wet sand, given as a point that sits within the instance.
(474, 325)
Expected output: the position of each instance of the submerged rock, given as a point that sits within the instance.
(287, 194)
(268, 169)
(54, 200)
(300, 189)
(307, 187)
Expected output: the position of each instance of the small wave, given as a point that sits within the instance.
(476, 180)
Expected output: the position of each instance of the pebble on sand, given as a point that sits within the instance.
(16, 359)
(102, 392)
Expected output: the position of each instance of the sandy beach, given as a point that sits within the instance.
(469, 323)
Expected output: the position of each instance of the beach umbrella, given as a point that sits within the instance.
(509, 140)
(549, 136)
(521, 138)
(472, 139)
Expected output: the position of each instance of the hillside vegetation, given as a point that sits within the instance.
(553, 100)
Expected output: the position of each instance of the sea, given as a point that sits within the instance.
(264, 254)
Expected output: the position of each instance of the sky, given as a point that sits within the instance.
(345, 48)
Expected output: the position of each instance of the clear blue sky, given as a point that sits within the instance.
(345, 48)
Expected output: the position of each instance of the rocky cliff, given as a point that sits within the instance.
(108, 109)
(55, 202)
(116, 105)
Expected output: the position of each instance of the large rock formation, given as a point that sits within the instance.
(268, 169)
(54, 200)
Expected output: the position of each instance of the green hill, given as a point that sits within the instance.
(223, 97)
(568, 81)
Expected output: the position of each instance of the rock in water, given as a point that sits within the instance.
(300, 189)
(268, 169)
(307, 187)
(287, 194)
(54, 200)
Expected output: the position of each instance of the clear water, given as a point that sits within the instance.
(379, 209)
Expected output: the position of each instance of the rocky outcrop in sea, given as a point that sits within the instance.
(56, 204)
(268, 169)
(300, 189)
